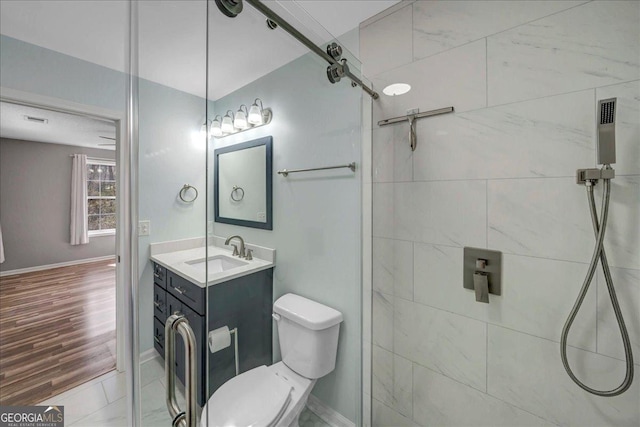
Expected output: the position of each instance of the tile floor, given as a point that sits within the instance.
(101, 401)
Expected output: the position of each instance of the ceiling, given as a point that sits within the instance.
(172, 48)
(172, 36)
(60, 128)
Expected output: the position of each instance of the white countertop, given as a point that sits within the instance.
(176, 261)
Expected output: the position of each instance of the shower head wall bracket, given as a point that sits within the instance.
(594, 174)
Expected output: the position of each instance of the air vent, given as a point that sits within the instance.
(607, 112)
(36, 120)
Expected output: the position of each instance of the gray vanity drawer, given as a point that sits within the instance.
(187, 292)
(159, 275)
(159, 303)
(158, 336)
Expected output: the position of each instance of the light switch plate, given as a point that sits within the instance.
(144, 228)
(493, 268)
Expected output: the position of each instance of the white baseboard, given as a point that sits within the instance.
(148, 355)
(328, 415)
(60, 264)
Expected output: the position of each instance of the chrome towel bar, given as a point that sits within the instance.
(286, 172)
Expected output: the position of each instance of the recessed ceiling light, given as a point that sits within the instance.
(396, 89)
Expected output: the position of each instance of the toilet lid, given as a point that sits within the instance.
(256, 398)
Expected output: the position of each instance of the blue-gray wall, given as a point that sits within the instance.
(316, 215)
(35, 184)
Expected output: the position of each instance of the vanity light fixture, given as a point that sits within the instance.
(244, 119)
(227, 123)
(216, 129)
(396, 89)
(240, 121)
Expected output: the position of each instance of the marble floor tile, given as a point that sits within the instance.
(393, 267)
(383, 416)
(441, 212)
(549, 218)
(527, 372)
(391, 158)
(392, 381)
(383, 320)
(445, 342)
(557, 55)
(80, 402)
(441, 401)
(442, 25)
(115, 387)
(386, 43)
(547, 137)
(627, 287)
(537, 294)
(455, 78)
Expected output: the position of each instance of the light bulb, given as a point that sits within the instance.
(216, 130)
(240, 120)
(255, 113)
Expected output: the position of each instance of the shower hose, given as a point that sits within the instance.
(599, 253)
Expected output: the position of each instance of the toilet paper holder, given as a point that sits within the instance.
(220, 338)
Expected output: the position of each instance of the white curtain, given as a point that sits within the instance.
(79, 218)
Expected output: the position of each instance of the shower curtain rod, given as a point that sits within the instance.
(309, 44)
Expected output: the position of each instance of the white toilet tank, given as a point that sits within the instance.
(308, 333)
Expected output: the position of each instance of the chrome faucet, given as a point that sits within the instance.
(237, 251)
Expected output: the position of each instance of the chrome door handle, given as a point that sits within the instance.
(180, 324)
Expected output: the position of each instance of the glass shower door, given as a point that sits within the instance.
(172, 198)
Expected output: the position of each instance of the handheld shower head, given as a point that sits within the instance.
(606, 145)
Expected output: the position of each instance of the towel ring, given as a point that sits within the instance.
(236, 189)
(183, 192)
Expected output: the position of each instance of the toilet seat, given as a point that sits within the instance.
(256, 398)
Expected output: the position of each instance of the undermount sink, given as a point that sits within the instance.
(217, 263)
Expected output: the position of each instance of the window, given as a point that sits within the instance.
(101, 196)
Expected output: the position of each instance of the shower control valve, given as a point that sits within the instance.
(482, 272)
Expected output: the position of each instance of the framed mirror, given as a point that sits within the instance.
(243, 184)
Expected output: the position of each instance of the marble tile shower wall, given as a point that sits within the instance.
(524, 78)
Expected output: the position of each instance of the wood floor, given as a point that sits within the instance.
(57, 330)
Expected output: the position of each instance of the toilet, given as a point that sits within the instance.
(270, 396)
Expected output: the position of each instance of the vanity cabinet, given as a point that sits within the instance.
(244, 303)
